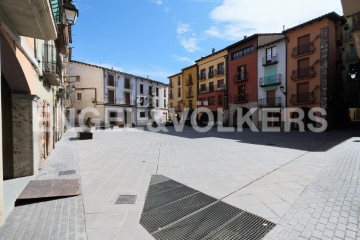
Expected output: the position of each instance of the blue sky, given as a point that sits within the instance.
(157, 38)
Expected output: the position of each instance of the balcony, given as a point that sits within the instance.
(189, 94)
(240, 77)
(211, 74)
(270, 102)
(243, 98)
(302, 98)
(303, 50)
(171, 85)
(51, 64)
(178, 109)
(270, 81)
(219, 71)
(33, 19)
(151, 93)
(202, 77)
(268, 62)
(352, 56)
(189, 82)
(203, 90)
(60, 93)
(303, 73)
(220, 87)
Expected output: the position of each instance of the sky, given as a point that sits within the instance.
(157, 38)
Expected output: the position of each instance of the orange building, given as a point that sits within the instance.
(313, 70)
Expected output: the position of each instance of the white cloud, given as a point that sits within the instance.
(182, 59)
(158, 2)
(187, 37)
(233, 18)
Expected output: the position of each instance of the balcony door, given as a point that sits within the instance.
(270, 98)
(303, 92)
(303, 68)
(304, 44)
(242, 93)
(111, 96)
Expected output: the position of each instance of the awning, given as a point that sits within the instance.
(11, 68)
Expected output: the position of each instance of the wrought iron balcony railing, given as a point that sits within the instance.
(219, 71)
(267, 62)
(243, 98)
(303, 49)
(270, 102)
(270, 80)
(303, 73)
(202, 77)
(51, 64)
(240, 77)
(302, 98)
(189, 82)
(189, 94)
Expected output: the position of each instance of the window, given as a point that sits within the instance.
(179, 81)
(203, 88)
(303, 44)
(211, 87)
(220, 84)
(179, 92)
(141, 89)
(270, 53)
(142, 114)
(211, 72)
(241, 73)
(164, 103)
(79, 96)
(157, 102)
(127, 98)
(190, 104)
(141, 101)
(150, 90)
(211, 100)
(202, 74)
(111, 97)
(113, 114)
(127, 83)
(157, 92)
(220, 69)
(220, 99)
(303, 95)
(78, 112)
(111, 80)
(304, 68)
(202, 102)
(243, 52)
(164, 92)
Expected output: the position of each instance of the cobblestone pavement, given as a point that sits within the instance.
(306, 183)
(56, 219)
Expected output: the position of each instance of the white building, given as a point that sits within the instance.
(272, 77)
(116, 97)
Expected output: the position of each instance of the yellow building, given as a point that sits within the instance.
(212, 82)
(175, 94)
(189, 87)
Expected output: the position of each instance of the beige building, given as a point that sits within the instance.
(34, 39)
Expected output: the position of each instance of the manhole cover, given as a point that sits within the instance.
(67, 172)
(175, 211)
(126, 199)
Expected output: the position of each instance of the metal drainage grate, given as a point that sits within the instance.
(126, 199)
(68, 172)
(183, 213)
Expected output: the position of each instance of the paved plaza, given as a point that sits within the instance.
(306, 183)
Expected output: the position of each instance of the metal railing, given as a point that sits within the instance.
(189, 82)
(302, 98)
(303, 49)
(202, 77)
(270, 102)
(240, 77)
(270, 80)
(189, 94)
(270, 61)
(243, 98)
(219, 71)
(303, 73)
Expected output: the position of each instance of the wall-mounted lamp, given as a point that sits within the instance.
(71, 12)
(282, 89)
(353, 73)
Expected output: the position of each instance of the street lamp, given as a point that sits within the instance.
(71, 12)
(353, 73)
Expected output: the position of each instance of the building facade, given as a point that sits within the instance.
(212, 84)
(35, 42)
(175, 95)
(313, 58)
(189, 88)
(272, 78)
(118, 98)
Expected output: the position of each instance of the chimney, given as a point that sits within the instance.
(213, 50)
